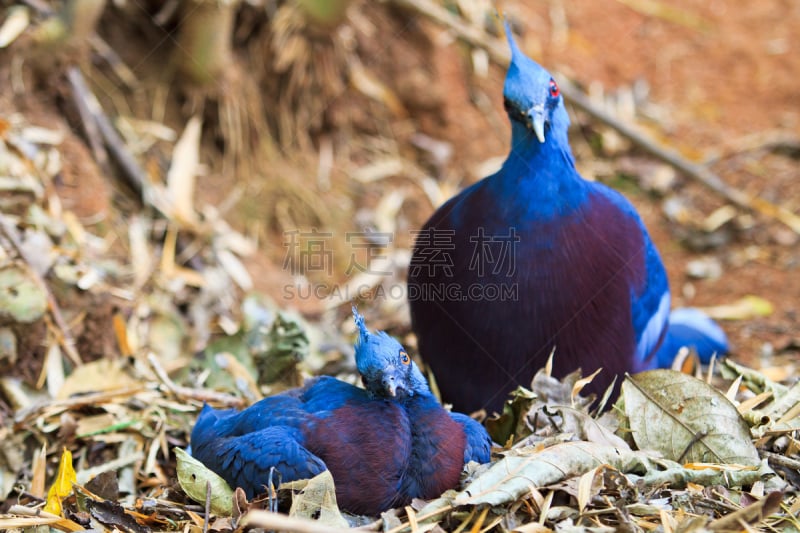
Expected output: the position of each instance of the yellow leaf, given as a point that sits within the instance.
(743, 309)
(53, 505)
(62, 485)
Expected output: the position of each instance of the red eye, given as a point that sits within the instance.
(554, 92)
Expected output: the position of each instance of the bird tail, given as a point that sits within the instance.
(693, 329)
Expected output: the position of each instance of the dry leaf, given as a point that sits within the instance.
(685, 419)
(532, 527)
(39, 469)
(513, 476)
(235, 269)
(378, 170)
(587, 489)
(752, 514)
(183, 170)
(100, 375)
(16, 22)
(317, 500)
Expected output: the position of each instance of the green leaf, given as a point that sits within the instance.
(277, 352)
(194, 479)
(325, 12)
(21, 298)
(511, 422)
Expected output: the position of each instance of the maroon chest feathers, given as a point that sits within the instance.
(366, 448)
(382, 454)
(437, 456)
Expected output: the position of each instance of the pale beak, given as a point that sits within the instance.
(536, 116)
(390, 386)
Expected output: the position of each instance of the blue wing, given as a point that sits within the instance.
(693, 329)
(242, 446)
(325, 394)
(650, 297)
(650, 309)
(479, 444)
(245, 461)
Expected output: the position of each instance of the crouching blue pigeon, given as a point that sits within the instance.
(384, 445)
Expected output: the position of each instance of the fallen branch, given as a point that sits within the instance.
(755, 142)
(96, 119)
(500, 54)
(113, 465)
(291, 524)
(20, 516)
(82, 98)
(59, 406)
(186, 392)
(697, 172)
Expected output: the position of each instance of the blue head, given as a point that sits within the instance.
(385, 367)
(533, 100)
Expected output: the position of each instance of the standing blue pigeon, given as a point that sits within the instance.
(535, 258)
(384, 445)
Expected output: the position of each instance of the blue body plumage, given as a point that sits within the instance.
(384, 445)
(561, 262)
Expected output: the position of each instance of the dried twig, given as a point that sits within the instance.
(777, 459)
(758, 141)
(754, 514)
(207, 507)
(86, 474)
(280, 522)
(697, 172)
(135, 175)
(22, 516)
(426, 516)
(500, 54)
(114, 61)
(82, 99)
(186, 392)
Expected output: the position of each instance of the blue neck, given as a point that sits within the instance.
(420, 383)
(527, 148)
(540, 178)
